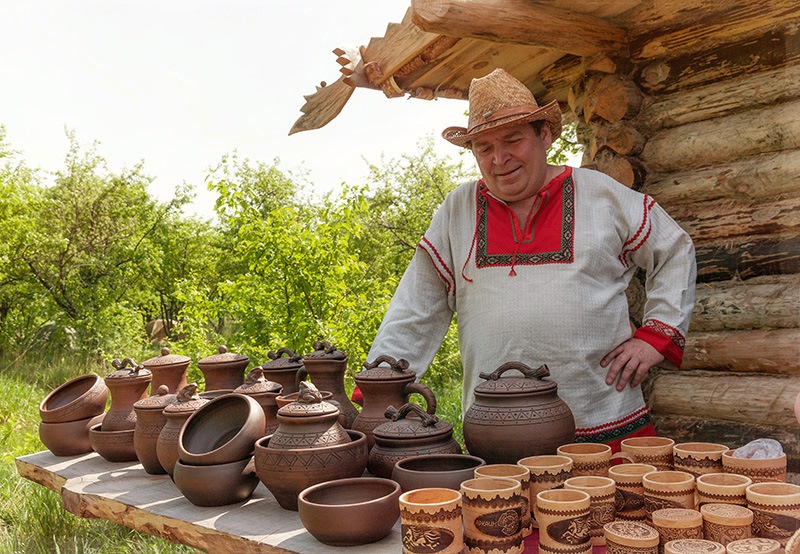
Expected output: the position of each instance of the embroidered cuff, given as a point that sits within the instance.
(669, 345)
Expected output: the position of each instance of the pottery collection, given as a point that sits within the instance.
(68, 438)
(113, 446)
(223, 370)
(187, 401)
(168, 369)
(216, 484)
(127, 383)
(435, 470)
(326, 366)
(285, 367)
(150, 420)
(266, 393)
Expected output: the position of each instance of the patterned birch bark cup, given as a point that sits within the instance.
(693, 546)
(521, 474)
(668, 489)
(587, 458)
(563, 517)
(776, 510)
(629, 494)
(698, 458)
(431, 521)
(547, 472)
(656, 451)
(492, 511)
(677, 523)
(630, 537)
(760, 471)
(601, 503)
(722, 488)
(754, 545)
(726, 523)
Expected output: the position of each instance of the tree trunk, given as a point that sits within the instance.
(746, 258)
(758, 350)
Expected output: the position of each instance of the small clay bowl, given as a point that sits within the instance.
(349, 512)
(113, 446)
(217, 484)
(69, 438)
(224, 430)
(79, 398)
(435, 470)
(286, 399)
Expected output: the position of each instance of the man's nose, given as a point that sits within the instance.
(501, 155)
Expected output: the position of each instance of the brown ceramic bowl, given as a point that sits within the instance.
(69, 438)
(435, 470)
(217, 484)
(349, 512)
(222, 431)
(79, 398)
(113, 446)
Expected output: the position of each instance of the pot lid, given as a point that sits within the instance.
(223, 357)
(166, 359)
(135, 371)
(309, 403)
(411, 422)
(396, 370)
(531, 382)
(187, 400)
(161, 399)
(291, 361)
(256, 383)
(323, 350)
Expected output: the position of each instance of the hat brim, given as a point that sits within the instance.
(461, 136)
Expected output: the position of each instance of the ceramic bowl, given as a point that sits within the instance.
(79, 398)
(222, 431)
(435, 471)
(113, 446)
(69, 438)
(349, 512)
(216, 484)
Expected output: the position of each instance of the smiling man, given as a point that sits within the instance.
(535, 259)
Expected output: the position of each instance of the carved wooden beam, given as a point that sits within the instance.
(522, 22)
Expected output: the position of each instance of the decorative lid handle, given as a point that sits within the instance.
(428, 420)
(325, 346)
(290, 353)
(396, 365)
(539, 373)
(120, 365)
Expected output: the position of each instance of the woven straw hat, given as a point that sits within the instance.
(499, 99)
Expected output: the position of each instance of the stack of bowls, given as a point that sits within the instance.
(69, 411)
(215, 451)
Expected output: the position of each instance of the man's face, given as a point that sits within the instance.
(513, 160)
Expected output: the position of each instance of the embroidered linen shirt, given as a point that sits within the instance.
(551, 292)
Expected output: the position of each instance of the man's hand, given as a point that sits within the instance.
(632, 360)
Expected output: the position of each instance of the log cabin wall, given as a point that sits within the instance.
(705, 117)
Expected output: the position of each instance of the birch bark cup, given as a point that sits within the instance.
(587, 458)
(668, 489)
(431, 521)
(547, 472)
(601, 492)
(698, 458)
(760, 471)
(722, 488)
(656, 451)
(521, 474)
(629, 495)
(563, 517)
(776, 510)
(492, 511)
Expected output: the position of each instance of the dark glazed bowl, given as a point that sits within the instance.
(69, 438)
(435, 470)
(224, 430)
(113, 446)
(79, 398)
(349, 512)
(216, 485)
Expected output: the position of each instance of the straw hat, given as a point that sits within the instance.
(496, 100)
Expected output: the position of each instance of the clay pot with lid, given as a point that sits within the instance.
(224, 370)
(326, 366)
(287, 370)
(168, 369)
(409, 431)
(187, 401)
(309, 422)
(265, 392)
(128, 384)
(383, 386)
(515, 417)
(150, 420)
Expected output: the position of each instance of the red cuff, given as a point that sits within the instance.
(661, 342)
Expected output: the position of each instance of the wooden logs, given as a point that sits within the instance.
(611, 98)
(746, 258)
(626, 169)
(622, 138)
(757, 350)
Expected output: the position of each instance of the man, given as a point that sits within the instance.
(535, 260)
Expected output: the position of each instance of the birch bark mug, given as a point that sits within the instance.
(492, 509)
(656, 451)
(431, 521)
(563, 517)
(547, 472)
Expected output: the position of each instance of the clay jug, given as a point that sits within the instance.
(408, 431)
(150, 419)
(516, 417)
(127, 385)
(187, 401)
(309, 422)
(384, 386)
(288, 371)
(168, 369)
(326, 366)
(264, 392)
(224, 370)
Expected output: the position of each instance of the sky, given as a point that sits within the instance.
(180, 83)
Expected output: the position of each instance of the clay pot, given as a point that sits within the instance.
(264, 392)
(113, 446)
(677, 523)
(309, 422)
(223, 370)
(516, 417)
(724, 523)
(727, 488)
(759, 470)
(327, 366)
(492, 510)
(288, 370)
(128, 384)
(168, 369)
(349, 512)
(563, 517)
(431, 521)
(668, 489)
(186, 403)
(68, 438)
(216, 484)
(222, 431)
(384, 386)
(150, 419)
(776, 510)
(78, 399)
(409, 431)
(698, 458)
(630, 537)
(287, 472)
(435, 471)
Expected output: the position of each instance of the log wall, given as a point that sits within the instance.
(710, 127)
